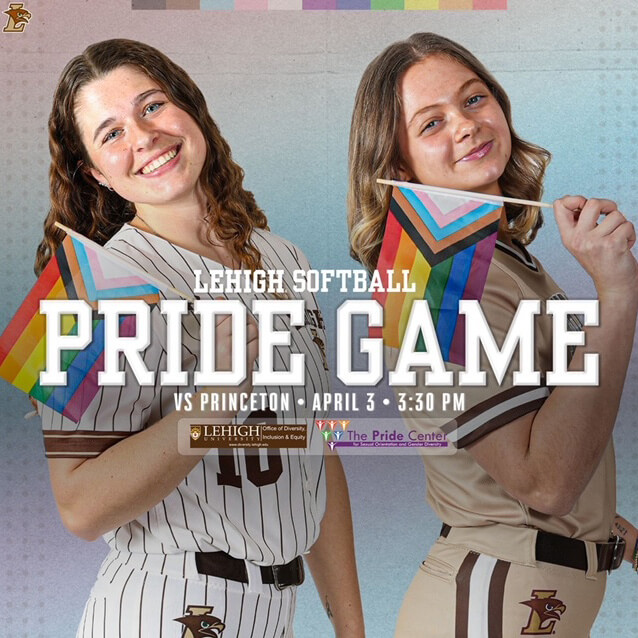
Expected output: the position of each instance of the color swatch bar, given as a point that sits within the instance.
(319, 5)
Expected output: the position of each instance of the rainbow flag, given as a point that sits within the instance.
(80, 269)
(446, 241)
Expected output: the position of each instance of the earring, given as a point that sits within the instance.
(105, 185)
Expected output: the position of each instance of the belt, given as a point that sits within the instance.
(223, 565)
(571, 552)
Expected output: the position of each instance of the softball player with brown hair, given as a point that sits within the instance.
(528, 499)
(210, 544)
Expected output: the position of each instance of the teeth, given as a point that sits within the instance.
(160, 161)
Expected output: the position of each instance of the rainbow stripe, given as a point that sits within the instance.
(447, 244)
(318, 5)
(80, 269)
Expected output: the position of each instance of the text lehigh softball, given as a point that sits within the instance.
(477, 333)
(272, 281)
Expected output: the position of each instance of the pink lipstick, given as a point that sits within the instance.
(479, 152)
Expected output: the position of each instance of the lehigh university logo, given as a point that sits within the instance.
(18, 18)
(546, 612)
(199, 623)
(196, 432)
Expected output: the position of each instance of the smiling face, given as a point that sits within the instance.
(140, 144)
(452, 131)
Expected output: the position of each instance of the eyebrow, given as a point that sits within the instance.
(140, 98)
(458, 92)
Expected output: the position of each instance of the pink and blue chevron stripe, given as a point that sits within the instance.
(80, 269)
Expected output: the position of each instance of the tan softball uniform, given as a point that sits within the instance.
(484, 577)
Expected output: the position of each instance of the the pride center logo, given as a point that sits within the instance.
(332, 430)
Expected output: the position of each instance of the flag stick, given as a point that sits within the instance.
(463, 194)
(123, 263)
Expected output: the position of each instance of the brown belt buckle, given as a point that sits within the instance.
(617, 553)
(284, 570)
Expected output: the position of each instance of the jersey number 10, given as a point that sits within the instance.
(229, 475)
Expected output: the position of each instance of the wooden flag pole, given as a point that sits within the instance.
(124, 264)
(498, 199)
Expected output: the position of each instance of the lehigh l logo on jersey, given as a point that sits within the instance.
(196, 432)
(199, 622)
(546, 612)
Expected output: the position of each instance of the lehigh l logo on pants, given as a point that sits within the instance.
(200, 623)
(546, 612)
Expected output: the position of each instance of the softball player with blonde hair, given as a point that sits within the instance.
(528, 499)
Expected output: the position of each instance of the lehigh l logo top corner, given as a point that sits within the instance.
(18, 18)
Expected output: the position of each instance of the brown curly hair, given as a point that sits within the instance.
(79, 202)
(374, 147)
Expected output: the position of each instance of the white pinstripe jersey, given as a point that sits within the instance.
(269, 523)
(459, 490)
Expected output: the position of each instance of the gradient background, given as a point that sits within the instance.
(281, 86)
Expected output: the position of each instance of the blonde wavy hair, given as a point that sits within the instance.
(374, 146)
(80, 203)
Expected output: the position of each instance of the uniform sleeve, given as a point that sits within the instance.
(493, 405)
(113, 413)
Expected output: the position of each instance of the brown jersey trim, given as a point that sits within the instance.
(504, 419)
(520, 255)
(493, 413)
(79, 443)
